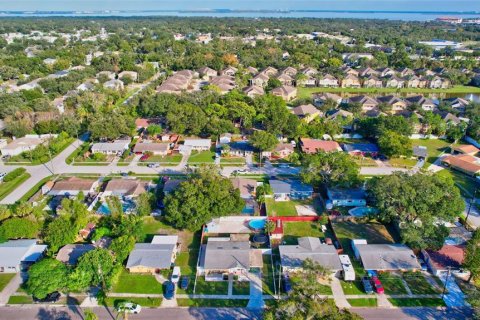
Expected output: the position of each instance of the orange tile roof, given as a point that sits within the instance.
(314, 145)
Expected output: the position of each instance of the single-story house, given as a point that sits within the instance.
(385, 257)
(328, 81)
(346, 198)
(419, 100)
(463, 162)
(223, 256)
(114, 84)
(362, 149)
(70, 253)
(129, 188)
(131, 74)
(153, 257)
(240, 149)
(466, 149)
(207, 73)
(320, 99)
(293, 256)
(109, 74)
(311, 146)
(448, 257)
(17, 255)
(71, 187)
(198, 144)
(160, 149)
(420, 152)
(20, 145)
(253, 91)
(351, 81)
(171, 185)
(116, 147)
(284, 190)
(247, 187)
(281, 151)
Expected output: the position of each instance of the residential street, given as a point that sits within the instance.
(73, 313)
(414, 313)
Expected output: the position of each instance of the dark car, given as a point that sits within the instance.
(184, 281)
(367, 286)
(287, 285)
(50, 298)
(168, 290)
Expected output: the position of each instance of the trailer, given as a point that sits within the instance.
(348, 272)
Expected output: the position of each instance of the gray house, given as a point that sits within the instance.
(154, 256)
(293, 256)
(16, 255)
(346, 198)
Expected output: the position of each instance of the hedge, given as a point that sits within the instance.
(14, 174)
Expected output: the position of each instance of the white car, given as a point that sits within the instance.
(130, 307)
(175, 275)
(2, 175)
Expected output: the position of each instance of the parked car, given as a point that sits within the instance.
(168, 290)
(240, 171)
(367, 286)
(50, 298)
(423, 265)
(287, 285)
(184, 281)
(2, 175)
(153, 165)
(175, 275)
(129, 307)
(377, 285)
(144, 157)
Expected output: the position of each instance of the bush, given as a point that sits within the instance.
(14, 174)
(98, 157)
(16, 228)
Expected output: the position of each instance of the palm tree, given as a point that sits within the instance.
(270, 227)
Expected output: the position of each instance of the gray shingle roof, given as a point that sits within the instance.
(222, 255)
(158, 256)
(292, 256)
(387, 257)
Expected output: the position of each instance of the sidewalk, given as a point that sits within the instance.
(338, 295)
(10, 289)
(455, 297)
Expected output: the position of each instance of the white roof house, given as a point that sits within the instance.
(114, 84)
(116, 147)
(20, 145)
(196, 144)
(17, 253)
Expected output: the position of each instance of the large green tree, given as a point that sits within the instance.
(46, 276)
(16, 228)
(472, 255)
(205, 195)
(334, 169)
(94, 268)
(263, 141)
(393, 144)
(417, 203)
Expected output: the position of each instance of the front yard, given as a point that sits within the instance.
(144, 302)
(213, 303)
(137, 283)
(417, 302)
(241, 288)
(5, 278)
(210, 287)
(363, 302)
(392, 283)
(352, 287)
(294, 230)
(418, 284)
(201, 157)
(171, 158)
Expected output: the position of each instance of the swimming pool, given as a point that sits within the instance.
(452, 241)
(362, 211)
(127, 206)
(257, 224)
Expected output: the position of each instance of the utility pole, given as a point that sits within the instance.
(470, 206)
(446, 281)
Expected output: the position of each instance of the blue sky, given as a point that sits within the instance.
(419, 5)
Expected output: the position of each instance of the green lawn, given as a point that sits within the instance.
(365, 161)
(211, 287)
(241, 287)
(137, 283)
(417, 302)
(213, 303)
(202, 157)
(280, 208)
(418, 284)
(172, 158)
(434, 148)
(144, 302)
(392, 284)
(7, 187)
(5, 279)
(307, 92)
(466, 184)
(268, 286)
(402, 162)
(352, 287)
(20, 300)
(294, 230)
(363, 302)
(236, 160)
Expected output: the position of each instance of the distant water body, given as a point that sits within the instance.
(346, 14)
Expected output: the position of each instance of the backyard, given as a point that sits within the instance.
(268, 285)
(294, 230)
(287, 208)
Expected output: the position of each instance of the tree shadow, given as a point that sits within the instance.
(52, 314)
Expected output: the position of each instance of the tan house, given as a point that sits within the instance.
(394, 82)
(372, 82)
(260, 80)
(309, 71)
(306, 112)
(367, 72)
(152, 257)
(229, 71)
(415, 82)
(321, 98)
(286, 80)
(367, 103)
(288, 93)
(328, 81)
(160, 149)
(270, 71)
(253, 91)
(439, 83)
(419, 100)
(71, 187)
(397, 104)
(289, 71)
(351, 81)
(128, 188)
(207, 73)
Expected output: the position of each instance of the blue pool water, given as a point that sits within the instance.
(126, 205)
(257, 224)
(362, 211)
(248, 210)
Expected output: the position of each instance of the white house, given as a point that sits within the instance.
(114, 85)
(16, 255)
(115, 147)
(198, 144)
(20, 145)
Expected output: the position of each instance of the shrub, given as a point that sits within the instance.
(14, 174)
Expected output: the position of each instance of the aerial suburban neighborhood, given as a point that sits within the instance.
(239, 168)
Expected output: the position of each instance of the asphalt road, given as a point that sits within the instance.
(74, 313)
(414, 313)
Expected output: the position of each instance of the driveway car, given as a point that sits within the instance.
(184, 281)
(377, 285)
(287, 285)
(367, 286)
(168, 290)
(50, 298)
(129, 307)
(175, 275)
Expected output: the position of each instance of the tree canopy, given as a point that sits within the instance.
(418, 203)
